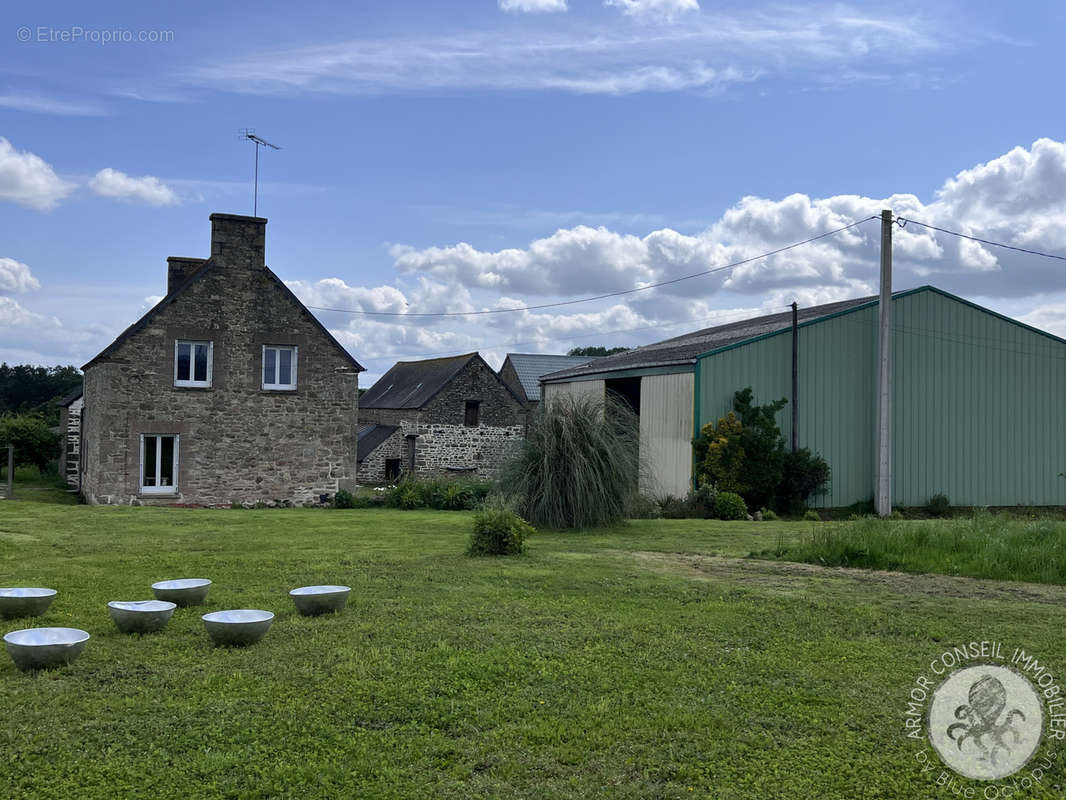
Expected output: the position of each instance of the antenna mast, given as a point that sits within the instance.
(249, 134)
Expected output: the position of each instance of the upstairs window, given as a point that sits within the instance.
(470, 419)
(192, 363)
(279, 367)
(159, 464)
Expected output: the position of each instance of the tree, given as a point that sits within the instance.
(24, 388)
(35, 443)
(596, 351)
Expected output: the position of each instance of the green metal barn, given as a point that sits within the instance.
(979, 399)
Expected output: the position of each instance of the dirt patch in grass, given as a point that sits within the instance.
(790, 575)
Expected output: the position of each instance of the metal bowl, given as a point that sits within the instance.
(25, 602)
(312, 600)
(141, 616)
(40, 648)
(183, 592)
(238, 627)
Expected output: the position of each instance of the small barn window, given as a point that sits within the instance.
(470, 419)
(192, 363)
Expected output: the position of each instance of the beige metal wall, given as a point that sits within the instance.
(573, 388)
(666, 409)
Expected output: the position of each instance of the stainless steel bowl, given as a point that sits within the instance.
(183, 592)
(238, 627)
(25, 602)
(141, 616)
(40, 648)
(312, 600)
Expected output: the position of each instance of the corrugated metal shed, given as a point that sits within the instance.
(681, 351)
(531, 366)
(977, 400)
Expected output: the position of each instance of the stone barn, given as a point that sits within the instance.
(227, 390)
(440, 416)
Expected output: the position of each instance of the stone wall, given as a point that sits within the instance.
(444, 444)
(237, 441)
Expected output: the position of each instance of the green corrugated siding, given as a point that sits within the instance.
(977, 409)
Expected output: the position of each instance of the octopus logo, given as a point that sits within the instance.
(986, 721)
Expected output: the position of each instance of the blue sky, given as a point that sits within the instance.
(483, 154)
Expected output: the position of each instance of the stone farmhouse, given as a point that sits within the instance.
(227, 390)
(438, 416)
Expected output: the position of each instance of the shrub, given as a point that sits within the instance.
(672, 507)
(701, 501)
(812, 516)
(343, 499)
(803, 474)
(938, 505)
(443, 494)
(35, 443)
(643, 507)
(578, 466)
(768, 514)
(729, 505)
(498, 531)
(897, 514)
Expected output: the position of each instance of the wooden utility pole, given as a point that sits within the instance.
(795, 377)
(10, 472)
(883, 468)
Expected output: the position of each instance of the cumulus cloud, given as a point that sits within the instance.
(1011, 198)
(29, 180)
(662, 9)
(146, 189)
(532, 6)
(16, 276)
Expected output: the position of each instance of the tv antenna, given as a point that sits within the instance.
(249, 134)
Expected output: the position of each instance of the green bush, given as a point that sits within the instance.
(578, 466)
(36, 445)
(803, 474)
(672, 507)
(812, 516)
(643, 507)
(440, 493)
(343, 499)
(768, 515)
(938, 505)
(729, 505)
(701, 502)
(498, 531)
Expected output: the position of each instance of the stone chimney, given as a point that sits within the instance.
(180, 269)
(238, 241)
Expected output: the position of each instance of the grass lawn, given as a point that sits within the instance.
(651, 661)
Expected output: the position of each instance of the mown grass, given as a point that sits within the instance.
(36, 487)
(574, 671)
(984, 545)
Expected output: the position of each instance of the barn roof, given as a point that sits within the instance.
(370, 436)
(682, 350)
(531, 366)
(412, 384)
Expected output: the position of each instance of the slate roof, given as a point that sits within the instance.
(531, 366)
(682, 350)
(412, 384)
(370, 436)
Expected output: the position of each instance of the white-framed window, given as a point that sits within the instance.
(159, 463)
(279, 366)
(192, 363)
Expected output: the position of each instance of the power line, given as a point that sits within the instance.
(903, 221)
(670, 282)
(738, 315)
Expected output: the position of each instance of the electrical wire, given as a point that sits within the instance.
(903, 221)
(670, 282)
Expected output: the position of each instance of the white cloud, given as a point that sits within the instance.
(712, 50)
(40, 104)
(27, 179)
(16, 276)
(661, 9)
(532, 6)
(146, 189)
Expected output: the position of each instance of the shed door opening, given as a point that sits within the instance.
(392, 469)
